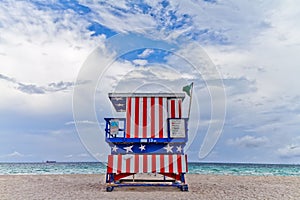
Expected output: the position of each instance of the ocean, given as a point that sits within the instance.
(194, 168)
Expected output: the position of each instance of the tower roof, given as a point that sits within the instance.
(119, 99)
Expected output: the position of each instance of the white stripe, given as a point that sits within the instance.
(175, 166)
(156, 106)
(148, 117)
(169, 108)
(176, 108)
(140, 164)
(132, 123)
(165, 116)
(140, 133)
(149, 163)
(166, 163)
(158, 164)
(123, 167)
(132, 161)
(115, 163)
(183, 163)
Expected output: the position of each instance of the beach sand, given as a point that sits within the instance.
(200, 187)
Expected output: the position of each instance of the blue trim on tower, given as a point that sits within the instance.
(120, 137)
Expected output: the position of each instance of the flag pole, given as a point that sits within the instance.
(190, 100)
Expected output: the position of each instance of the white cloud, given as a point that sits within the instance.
(14, 155)
(38, 89)
(58, 42)
(83, 155)
(289, 151)
(109, 15)
(69, 156)
(140, 62)
(42, 49)
(59, 132)
(234, 22)
(80, 155)
(268, 61)
(81, 122)
(156, 76)
(248, 141)
(146, 53)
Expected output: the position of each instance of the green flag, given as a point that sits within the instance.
(188, 89)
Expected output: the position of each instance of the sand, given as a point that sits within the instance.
(200, 187)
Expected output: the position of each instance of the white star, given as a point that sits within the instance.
(179, 148)
(118, 98)
(142, 147)
(169, 148)
(114, 148)
(128, 149)
(120, 104)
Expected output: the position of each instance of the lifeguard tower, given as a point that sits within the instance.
(149, 139)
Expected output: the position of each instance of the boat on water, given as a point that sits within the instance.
(50, 161)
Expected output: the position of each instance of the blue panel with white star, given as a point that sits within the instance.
(146, 148)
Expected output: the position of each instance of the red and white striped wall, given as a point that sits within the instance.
(174, 108)
(146, 117)
(151, 163)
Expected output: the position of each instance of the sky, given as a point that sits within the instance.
(60, 58)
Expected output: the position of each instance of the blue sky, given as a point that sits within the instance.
(253, 45)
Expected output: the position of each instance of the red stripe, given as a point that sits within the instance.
(186, 164)
(179, 108)
(136, 120)
(136, 163)
(152, 117)
(128, 165)
(171, 164)
(128, 117)
(162, 164)
(145, 167)
(172, 108)
(179, 165)
(144, 117)
(153, 163)
(119, 163)
(110, 164)
(160, 117)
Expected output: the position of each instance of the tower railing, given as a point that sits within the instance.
(115, 132)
